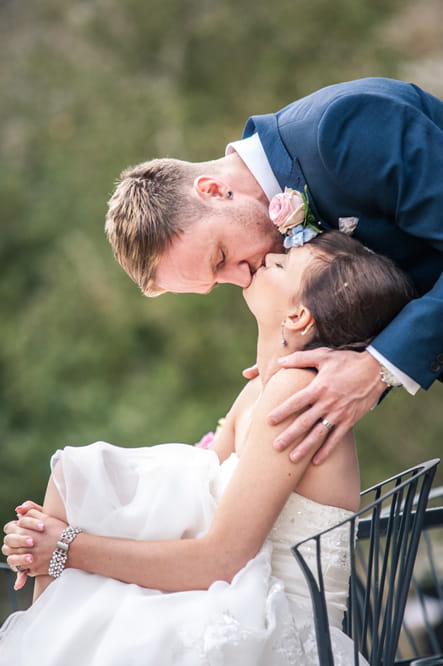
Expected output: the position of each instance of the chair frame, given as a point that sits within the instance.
(391, 524)
(10, 575)
(429, 573)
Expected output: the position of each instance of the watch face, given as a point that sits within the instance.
(389, 378)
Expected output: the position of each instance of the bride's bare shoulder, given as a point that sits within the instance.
(286, 382)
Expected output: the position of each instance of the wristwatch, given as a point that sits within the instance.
(388, 378)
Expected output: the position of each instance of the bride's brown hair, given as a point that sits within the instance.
(351, 292)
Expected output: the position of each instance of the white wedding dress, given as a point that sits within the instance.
(170, 491)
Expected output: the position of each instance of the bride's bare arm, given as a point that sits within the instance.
(255, 496)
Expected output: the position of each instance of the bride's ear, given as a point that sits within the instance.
(300, 321)
(207, 186)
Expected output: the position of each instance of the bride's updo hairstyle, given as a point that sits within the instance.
(351, 292)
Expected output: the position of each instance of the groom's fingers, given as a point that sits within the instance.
(313, 441)
(306, 359)
(305, 434)
(329, 445)
(319, 442)
(306, 399)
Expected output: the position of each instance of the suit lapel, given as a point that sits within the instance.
(286, 169)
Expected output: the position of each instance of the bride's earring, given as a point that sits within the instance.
(283, 341)
(307, 329)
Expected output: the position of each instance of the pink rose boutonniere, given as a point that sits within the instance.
(291, 213)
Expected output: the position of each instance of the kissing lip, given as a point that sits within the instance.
(256, 272)
(259, 265)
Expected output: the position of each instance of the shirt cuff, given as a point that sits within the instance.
(409, 384)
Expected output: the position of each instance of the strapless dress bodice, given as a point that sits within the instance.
(300, 519)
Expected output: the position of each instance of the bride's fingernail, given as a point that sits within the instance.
(28, 558)
(40, 526)
(29, 541)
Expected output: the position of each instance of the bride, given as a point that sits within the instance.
(181, 555)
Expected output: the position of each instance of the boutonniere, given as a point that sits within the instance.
(291, 213)
(347, 225)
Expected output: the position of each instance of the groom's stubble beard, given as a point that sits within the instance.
(255, 219)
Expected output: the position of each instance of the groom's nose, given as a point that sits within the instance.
(238, 274)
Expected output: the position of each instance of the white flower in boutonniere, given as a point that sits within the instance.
(291, 213)
(347, 225)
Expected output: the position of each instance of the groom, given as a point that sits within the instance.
(370, 153)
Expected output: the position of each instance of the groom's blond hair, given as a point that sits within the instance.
(150, 206)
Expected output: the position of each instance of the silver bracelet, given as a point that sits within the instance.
(60, 554)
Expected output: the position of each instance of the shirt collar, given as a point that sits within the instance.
(253, 155)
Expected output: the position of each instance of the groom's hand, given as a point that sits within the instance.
(251, 372)
(346, 387)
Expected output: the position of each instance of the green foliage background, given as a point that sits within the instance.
(88, 88)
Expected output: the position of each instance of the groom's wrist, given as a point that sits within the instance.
(388, 378)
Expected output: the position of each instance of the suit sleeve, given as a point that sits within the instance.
(386, 157)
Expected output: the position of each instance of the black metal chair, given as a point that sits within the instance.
(422, 629)
(10, 599)
(8, 578)
(384, 536)
(428, 661)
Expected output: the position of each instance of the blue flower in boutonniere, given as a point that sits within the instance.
(291, 213)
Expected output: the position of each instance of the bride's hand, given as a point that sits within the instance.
(31, 540)
(345, 388)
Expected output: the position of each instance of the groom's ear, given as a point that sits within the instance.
(207, 186)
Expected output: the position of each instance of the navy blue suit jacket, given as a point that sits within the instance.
(373, 149)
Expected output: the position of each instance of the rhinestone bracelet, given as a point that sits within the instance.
(60, 554)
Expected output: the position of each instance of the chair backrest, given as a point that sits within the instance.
(8, 597)
(422, 629)
(383, 540)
